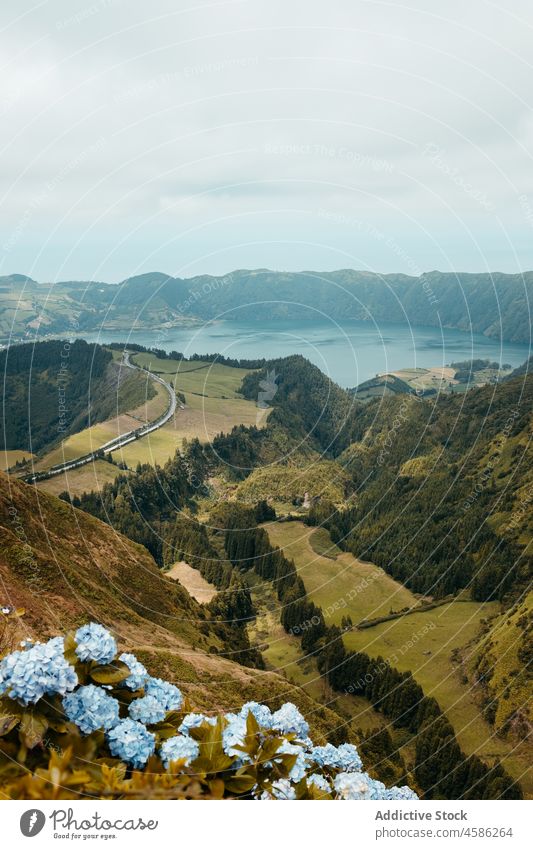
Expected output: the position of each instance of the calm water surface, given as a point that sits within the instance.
(349, 353)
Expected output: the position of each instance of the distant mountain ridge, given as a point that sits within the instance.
(494, 304)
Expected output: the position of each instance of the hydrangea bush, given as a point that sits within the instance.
(80, 719)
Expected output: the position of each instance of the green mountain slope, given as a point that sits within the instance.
(497, 305)
(52, 390)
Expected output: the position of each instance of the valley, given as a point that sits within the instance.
(303, 480)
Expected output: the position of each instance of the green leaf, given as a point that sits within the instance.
(252, 725)
(111, 673)
(33, 727)
(69, 649)
(241, 783)
(216, 786)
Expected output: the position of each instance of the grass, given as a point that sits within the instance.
(213, 406)
(91, 438)
(213, 380)
(194, 583)
(282, 653)
(9, 458)
(342, 586)
(422, 643)
(91, 477)
(320, 542)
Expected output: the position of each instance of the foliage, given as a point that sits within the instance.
(56, 388)
(87, 743)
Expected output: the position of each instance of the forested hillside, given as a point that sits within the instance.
(497, 305)
(54, 389)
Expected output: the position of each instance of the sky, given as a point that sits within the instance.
(196, 137)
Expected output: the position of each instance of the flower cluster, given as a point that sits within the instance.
(195, 720)
(168, 696)
(288, 719)
(138, 675)
(177, 749)
(91, 709)
(94, 642)
(131, 742)
(344, 757)
(41, 670)
(270, 754)
(147, 710)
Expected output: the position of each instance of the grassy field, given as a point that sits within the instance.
(283, 654)
(91, 477)
(213, 380)
(442, 378)
(190, 578)
(342, 586)
(422, 642)
(320, 542)
(9, 458)
(212, 406)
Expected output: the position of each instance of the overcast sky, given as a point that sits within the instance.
(192, 137)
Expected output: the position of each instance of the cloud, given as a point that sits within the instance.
(215, 135)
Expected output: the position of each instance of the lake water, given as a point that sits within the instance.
(349, 353)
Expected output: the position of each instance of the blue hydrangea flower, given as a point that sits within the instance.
(95, 643)
(131, 742)
(177, 748)
(395, 793)
(147, 710)
(233, 735)
(168, 696)
(344, 757)
(289, 719)
(348, 758)
(327, 755)
(281, 789)
(358, 785)
(300, 767)
(42, 669)
(319, 781)
(138, 672)
(194, 720)
(262, 713)
(91, 709)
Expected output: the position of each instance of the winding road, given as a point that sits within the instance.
(118, 441)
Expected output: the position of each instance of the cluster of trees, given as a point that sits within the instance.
(177, 355)
(306, 404)
(141, 505)
(465, 370)
(248, 547)
(187, 539)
